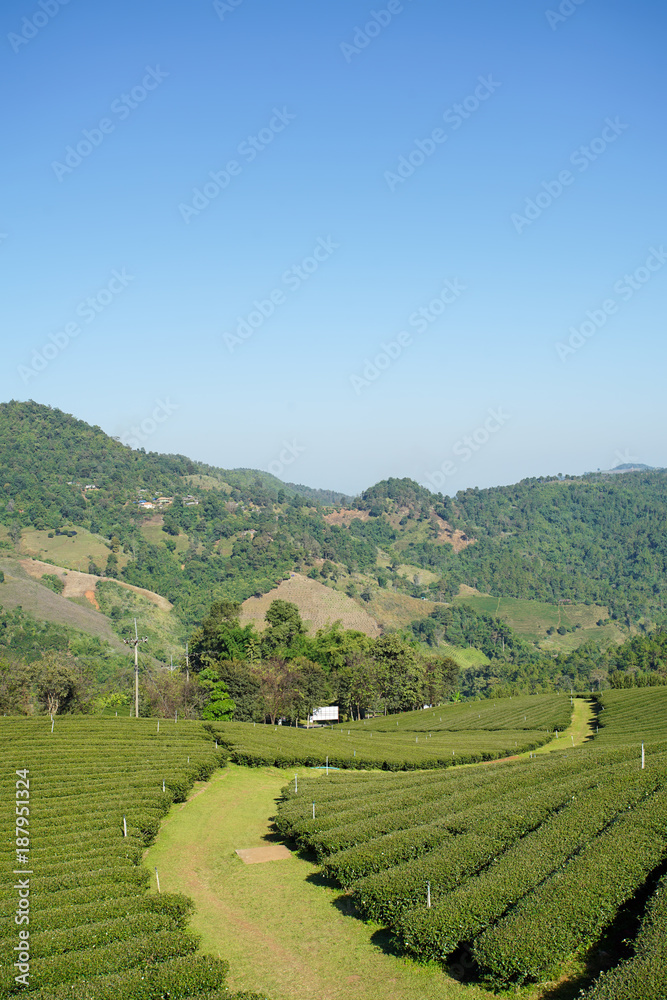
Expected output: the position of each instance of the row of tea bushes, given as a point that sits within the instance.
(631, 716)
(94, 932)
(543, 712)
(433, 738)
(568, 911)
(461, 917)
(644, 976)
(526, 863)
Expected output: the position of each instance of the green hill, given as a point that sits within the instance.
(195, 533)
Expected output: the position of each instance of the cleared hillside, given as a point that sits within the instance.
(21, 591)
(318, 605)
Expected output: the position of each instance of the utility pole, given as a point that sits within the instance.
(187, 663)
(135, 642)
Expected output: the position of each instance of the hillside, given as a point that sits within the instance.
(318, 605)
(73, 497)
(21, 590)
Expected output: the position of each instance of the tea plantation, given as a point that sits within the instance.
(433, 738)
(519, 865)
(523, 867)
(74, 902)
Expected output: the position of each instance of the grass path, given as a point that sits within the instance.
(580, 729)
(282, 929)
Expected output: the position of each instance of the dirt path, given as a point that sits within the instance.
(281, 928)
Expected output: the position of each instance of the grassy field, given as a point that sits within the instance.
(282, 927)
(72, 553)
(531, 619)
(154, 535)
(414, 573)
(208, 483)
(464, 657)
(395, 610)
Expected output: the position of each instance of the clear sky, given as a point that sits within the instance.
(335, 239)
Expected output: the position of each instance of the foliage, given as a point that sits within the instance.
(53, 582)
(645, 974)
(60, 684)
(218, 705)
(520, 863)
(96, 933)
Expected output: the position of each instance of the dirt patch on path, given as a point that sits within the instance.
(258, 855)
(281, 927)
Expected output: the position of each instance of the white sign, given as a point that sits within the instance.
(329, 714)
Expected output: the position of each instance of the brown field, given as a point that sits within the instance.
(21, 590)
(84, 584)
(345, 516)
(394, 610)
(319, 606)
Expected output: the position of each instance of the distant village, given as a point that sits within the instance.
(150, 502)
(159, 503)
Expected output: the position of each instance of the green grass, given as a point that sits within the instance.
(282, 927)
(166, 634)
(154, 535)
(465, 657)
(531, 619)
(71, 553)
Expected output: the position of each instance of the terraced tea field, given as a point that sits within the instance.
(507, 876)
(77, 921)
(522, 868)
(433, 738)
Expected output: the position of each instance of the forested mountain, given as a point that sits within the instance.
(598, 538)
(229, 534)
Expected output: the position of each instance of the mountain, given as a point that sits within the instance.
(195, 533)
(319, 496)
(632, 467)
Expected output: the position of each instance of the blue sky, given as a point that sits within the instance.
(337, 240)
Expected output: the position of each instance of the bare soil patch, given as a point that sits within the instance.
(346, 516)
(259, 855)
(90, 595)
(452, 536)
